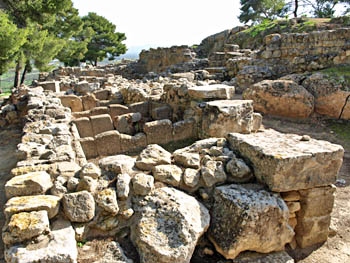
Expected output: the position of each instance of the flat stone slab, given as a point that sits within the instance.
(217, 91)
(287, 162)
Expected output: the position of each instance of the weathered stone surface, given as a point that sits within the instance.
(130, 143)
(90, 170)
(191, 177)
(87, 184)
(107, 200)
(123, 185)
(253, 257)
(79, 206)
(183, 130)
(246, 217)
(34, 183)
(168, 173)
(16, 205)
(126, 123)
(117, 164)
(217, 91)
(238, 171)
(73, 102)
(67, 169)
(169, 224)
(142, 184)
(213, 172)
(158, 132)
(24, 226)
(117, 109)
(284, 162)
(221, 117)
(61, 247)
(281, 97)
(101, 123)
(151, 156)
(89, 147)
(112, 253)
(108, 143)
(84, 127)
(187, 159)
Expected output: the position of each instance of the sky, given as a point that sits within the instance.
(165, 23)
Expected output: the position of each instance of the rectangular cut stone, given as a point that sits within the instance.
(89, 147)
(183, 130)
(141, 107)
(99, 111)
(221, 117)
(50, 85)
(133, 143)
(84, 127)
(108, 143)
(73, 102)
(217, 91)
(286, 162)
(101, 123)
(118, 109)
(158, 132)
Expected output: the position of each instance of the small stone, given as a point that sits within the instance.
(79, 207)
(123, 186)
(90, 170)
(142, 183)
(305, 138)
(212, 173)
(107, 200)
(168, 173)
(191, 177)
(88, 184)
(187, 159)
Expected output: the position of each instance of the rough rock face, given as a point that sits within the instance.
(234, 226)
(60, 248)
(151, 156)
(281, 97)
(218, 91)
(286, 162)
(79, 206)
(168, 226)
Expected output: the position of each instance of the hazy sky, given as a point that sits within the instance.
(165, 22)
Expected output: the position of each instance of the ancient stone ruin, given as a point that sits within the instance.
(172, 166)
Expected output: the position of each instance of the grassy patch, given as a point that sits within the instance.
(341, 128)
(341, 74)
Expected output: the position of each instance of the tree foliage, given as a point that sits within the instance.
(319, 8)
(255, 11)
(105, 41)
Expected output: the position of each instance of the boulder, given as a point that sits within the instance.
(25, 226)
(19, 204)
(60, 248)
(79, 207)
(216, 91)
(168, 226)
(151, 156)
(34, 183)
(246, 217)
(286, 162)
(167, 173)
(281, 98)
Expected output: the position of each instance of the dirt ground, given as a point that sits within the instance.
(337, 247)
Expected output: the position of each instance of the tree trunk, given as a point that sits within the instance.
(17, 74)
(95, 63)
(24, 74)
(296, 2)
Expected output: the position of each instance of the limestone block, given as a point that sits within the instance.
(158, 132)
(79, 206)
(281, 97)
(221, 117)
(60, 248)
(213, 172)
(167, 173)
(90, 170)
(161, 112)
(274, 257)
(142, 184)
(19, 204)
(34, 183)
(117, 164)
(217, 91)
(191, 177)
(151, 156)
(286, 162)
(108, 143)
(141, 107)
(187, 159)
(183, 130)
(118, 109)
(130, 143)
(25, 226)
(243, 216)
(87, 184)
(89, 102)
(291, 196)
(99, 111)
(89, 147)
(107, 200)
(123, 186)
(84, 127)
(102, 94)
(50, 85)
(126, 123)
(83, 87)
(238, 171)
(101, 123)
(67, 169)
(73, 102)
(168, 226)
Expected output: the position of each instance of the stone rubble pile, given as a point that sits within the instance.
(237, 189)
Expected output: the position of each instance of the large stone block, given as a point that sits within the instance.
(99, 111)
(89, 102)
(73, 102)
(130, 143)
(89, 147)
(183, 130)
(141, 107)
(108, 143)
(101, 123)
(247, 217)
(161, 111)
(217, 91)
(286, 162)
(79, 206)
(84, 127)
(221, 117)
(158, 132)
(118, 109)
(50, 85)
